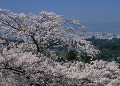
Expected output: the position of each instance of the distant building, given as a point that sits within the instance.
(100, 35)
(118, 58)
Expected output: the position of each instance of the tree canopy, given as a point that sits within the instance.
(40, 32)
(24, 38)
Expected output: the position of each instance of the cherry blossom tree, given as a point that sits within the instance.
(18, 67)
(40, 32)
(25, 69)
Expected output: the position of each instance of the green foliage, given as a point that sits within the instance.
(118, 61)
(109, 49)
(68, 56)
(85, 58)
(63, 53)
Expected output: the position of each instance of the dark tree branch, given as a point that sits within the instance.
(85, 80)
(13, 20)
(17, 71)
(38, 50)
(8, 24)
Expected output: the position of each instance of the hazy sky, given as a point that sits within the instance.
(87, 11)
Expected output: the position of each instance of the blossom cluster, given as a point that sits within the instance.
(38, 31)
(25, 69)
(20, 65)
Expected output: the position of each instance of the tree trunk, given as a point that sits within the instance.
(38, 50)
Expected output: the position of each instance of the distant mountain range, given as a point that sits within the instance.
(103, 27)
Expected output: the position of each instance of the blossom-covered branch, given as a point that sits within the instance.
(38, 31)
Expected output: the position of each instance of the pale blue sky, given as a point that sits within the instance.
(87, 11)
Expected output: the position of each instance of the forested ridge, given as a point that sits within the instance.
(109, 49)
